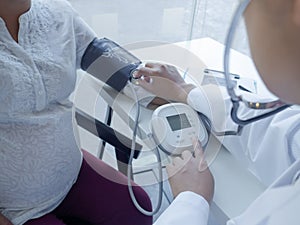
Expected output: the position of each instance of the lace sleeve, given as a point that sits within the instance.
(83, 36)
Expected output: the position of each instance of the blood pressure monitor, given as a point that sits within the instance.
(175, 126)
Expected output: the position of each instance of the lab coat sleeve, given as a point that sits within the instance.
(187, 208)
(267, 147)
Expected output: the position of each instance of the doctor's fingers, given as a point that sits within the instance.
(150, 69)
(198, 150)
(177, 161)
(152, 64)
(164, 88)
(144, 72)
(160, 70)
(186, 155)
(199, 156)
(183, 158)
(180, 162)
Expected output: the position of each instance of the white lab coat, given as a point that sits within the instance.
(270, 149)
(267, 147)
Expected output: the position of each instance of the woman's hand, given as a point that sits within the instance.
(190, 173)
(164, 81)
(4, 220)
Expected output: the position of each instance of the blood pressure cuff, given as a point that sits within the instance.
(109, 62)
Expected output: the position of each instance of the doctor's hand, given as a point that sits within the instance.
(164, 81)
(4, 220)
(191, 173)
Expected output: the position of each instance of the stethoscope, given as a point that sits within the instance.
(275, 106)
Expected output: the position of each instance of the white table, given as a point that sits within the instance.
(235, 187)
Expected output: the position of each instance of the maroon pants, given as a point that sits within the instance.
(99, 196)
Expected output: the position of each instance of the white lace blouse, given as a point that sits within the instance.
(39, 157)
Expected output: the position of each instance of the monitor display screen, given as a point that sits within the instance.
(178, 122)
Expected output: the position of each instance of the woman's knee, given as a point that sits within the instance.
(142, 198)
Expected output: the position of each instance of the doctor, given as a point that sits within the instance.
(270, 147)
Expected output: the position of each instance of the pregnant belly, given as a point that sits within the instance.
(37, 161)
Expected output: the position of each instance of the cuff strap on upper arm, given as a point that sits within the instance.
(109, 62)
